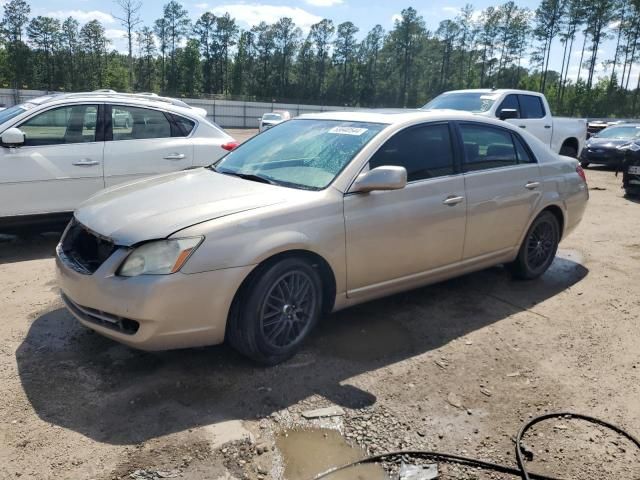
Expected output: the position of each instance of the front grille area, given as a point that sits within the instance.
(104, 319)
(85, 250)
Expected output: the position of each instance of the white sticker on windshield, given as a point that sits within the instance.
(348, 131)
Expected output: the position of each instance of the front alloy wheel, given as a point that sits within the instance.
(287, 309)
(276, 310)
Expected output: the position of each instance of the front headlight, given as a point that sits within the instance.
(160, 257)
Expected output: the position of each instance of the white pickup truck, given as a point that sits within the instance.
(529, 110)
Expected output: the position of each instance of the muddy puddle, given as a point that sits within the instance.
(306, 453)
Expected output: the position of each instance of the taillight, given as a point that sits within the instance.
(230, 146)
(580, 172)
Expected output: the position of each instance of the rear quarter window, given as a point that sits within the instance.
(182, 127)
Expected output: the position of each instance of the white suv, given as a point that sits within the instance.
(58, 150)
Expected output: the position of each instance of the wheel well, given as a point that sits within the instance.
(571, 142)
(557, 212)
(324, 269)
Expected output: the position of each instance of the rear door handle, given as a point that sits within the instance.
(547, 126)
(453, 200)
(86, 163)
(532, 185)
(174, 156)
(522, 126)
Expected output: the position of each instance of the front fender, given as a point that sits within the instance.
(238, 242)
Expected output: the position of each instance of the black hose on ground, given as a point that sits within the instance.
(521, 471)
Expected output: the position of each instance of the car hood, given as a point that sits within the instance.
(605, 143)
(158, 206)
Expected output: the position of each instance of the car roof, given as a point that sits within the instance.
(142, 99)
(494, 90)
(625, 124)
(397, 116)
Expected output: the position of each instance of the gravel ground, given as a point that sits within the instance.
(455, 367)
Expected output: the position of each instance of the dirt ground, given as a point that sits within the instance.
(455, 367)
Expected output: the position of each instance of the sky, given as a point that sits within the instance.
(363, 13)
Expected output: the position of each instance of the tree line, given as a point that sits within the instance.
(506, 46)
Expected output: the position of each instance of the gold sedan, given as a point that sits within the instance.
(314, 215)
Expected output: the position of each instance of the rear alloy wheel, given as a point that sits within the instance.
(277, 310)
(538, 248)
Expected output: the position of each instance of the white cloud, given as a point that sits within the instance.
(324, 3)
(451, 10)
(201, 6)
(396, 17)
(118, 39)
(83, 16)
(253, 14)
(115, 33)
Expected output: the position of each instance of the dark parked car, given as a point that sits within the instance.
(602, 148)
(630, 167)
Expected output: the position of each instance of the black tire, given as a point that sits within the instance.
(276, 310)
(538, 248)
(569, 151)
(584, 164)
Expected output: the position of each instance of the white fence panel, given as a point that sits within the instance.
(226, 113)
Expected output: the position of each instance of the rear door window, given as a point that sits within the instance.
(134, 123)
(531, 107)
(523, 153)
(487, 147)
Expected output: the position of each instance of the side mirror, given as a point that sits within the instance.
(387, 177)
(12, 137)
(507, 113)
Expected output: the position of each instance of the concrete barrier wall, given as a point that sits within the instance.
(226, 113)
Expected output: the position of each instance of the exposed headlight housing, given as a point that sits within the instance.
(160, 257)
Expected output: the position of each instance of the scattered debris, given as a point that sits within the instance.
(262, 448)
(598, 188)
(455, 401)
(486, 392)
(333, 411)
(442, 364)
(418, 472)
(527, 452)
(514, 374)
(524, 449)
(153, 474)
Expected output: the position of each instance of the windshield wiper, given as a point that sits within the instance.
(245, 176)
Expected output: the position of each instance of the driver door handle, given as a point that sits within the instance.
(532, 185)
(174, 156)
(522, 126)
(87, 162)
(453, 200)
